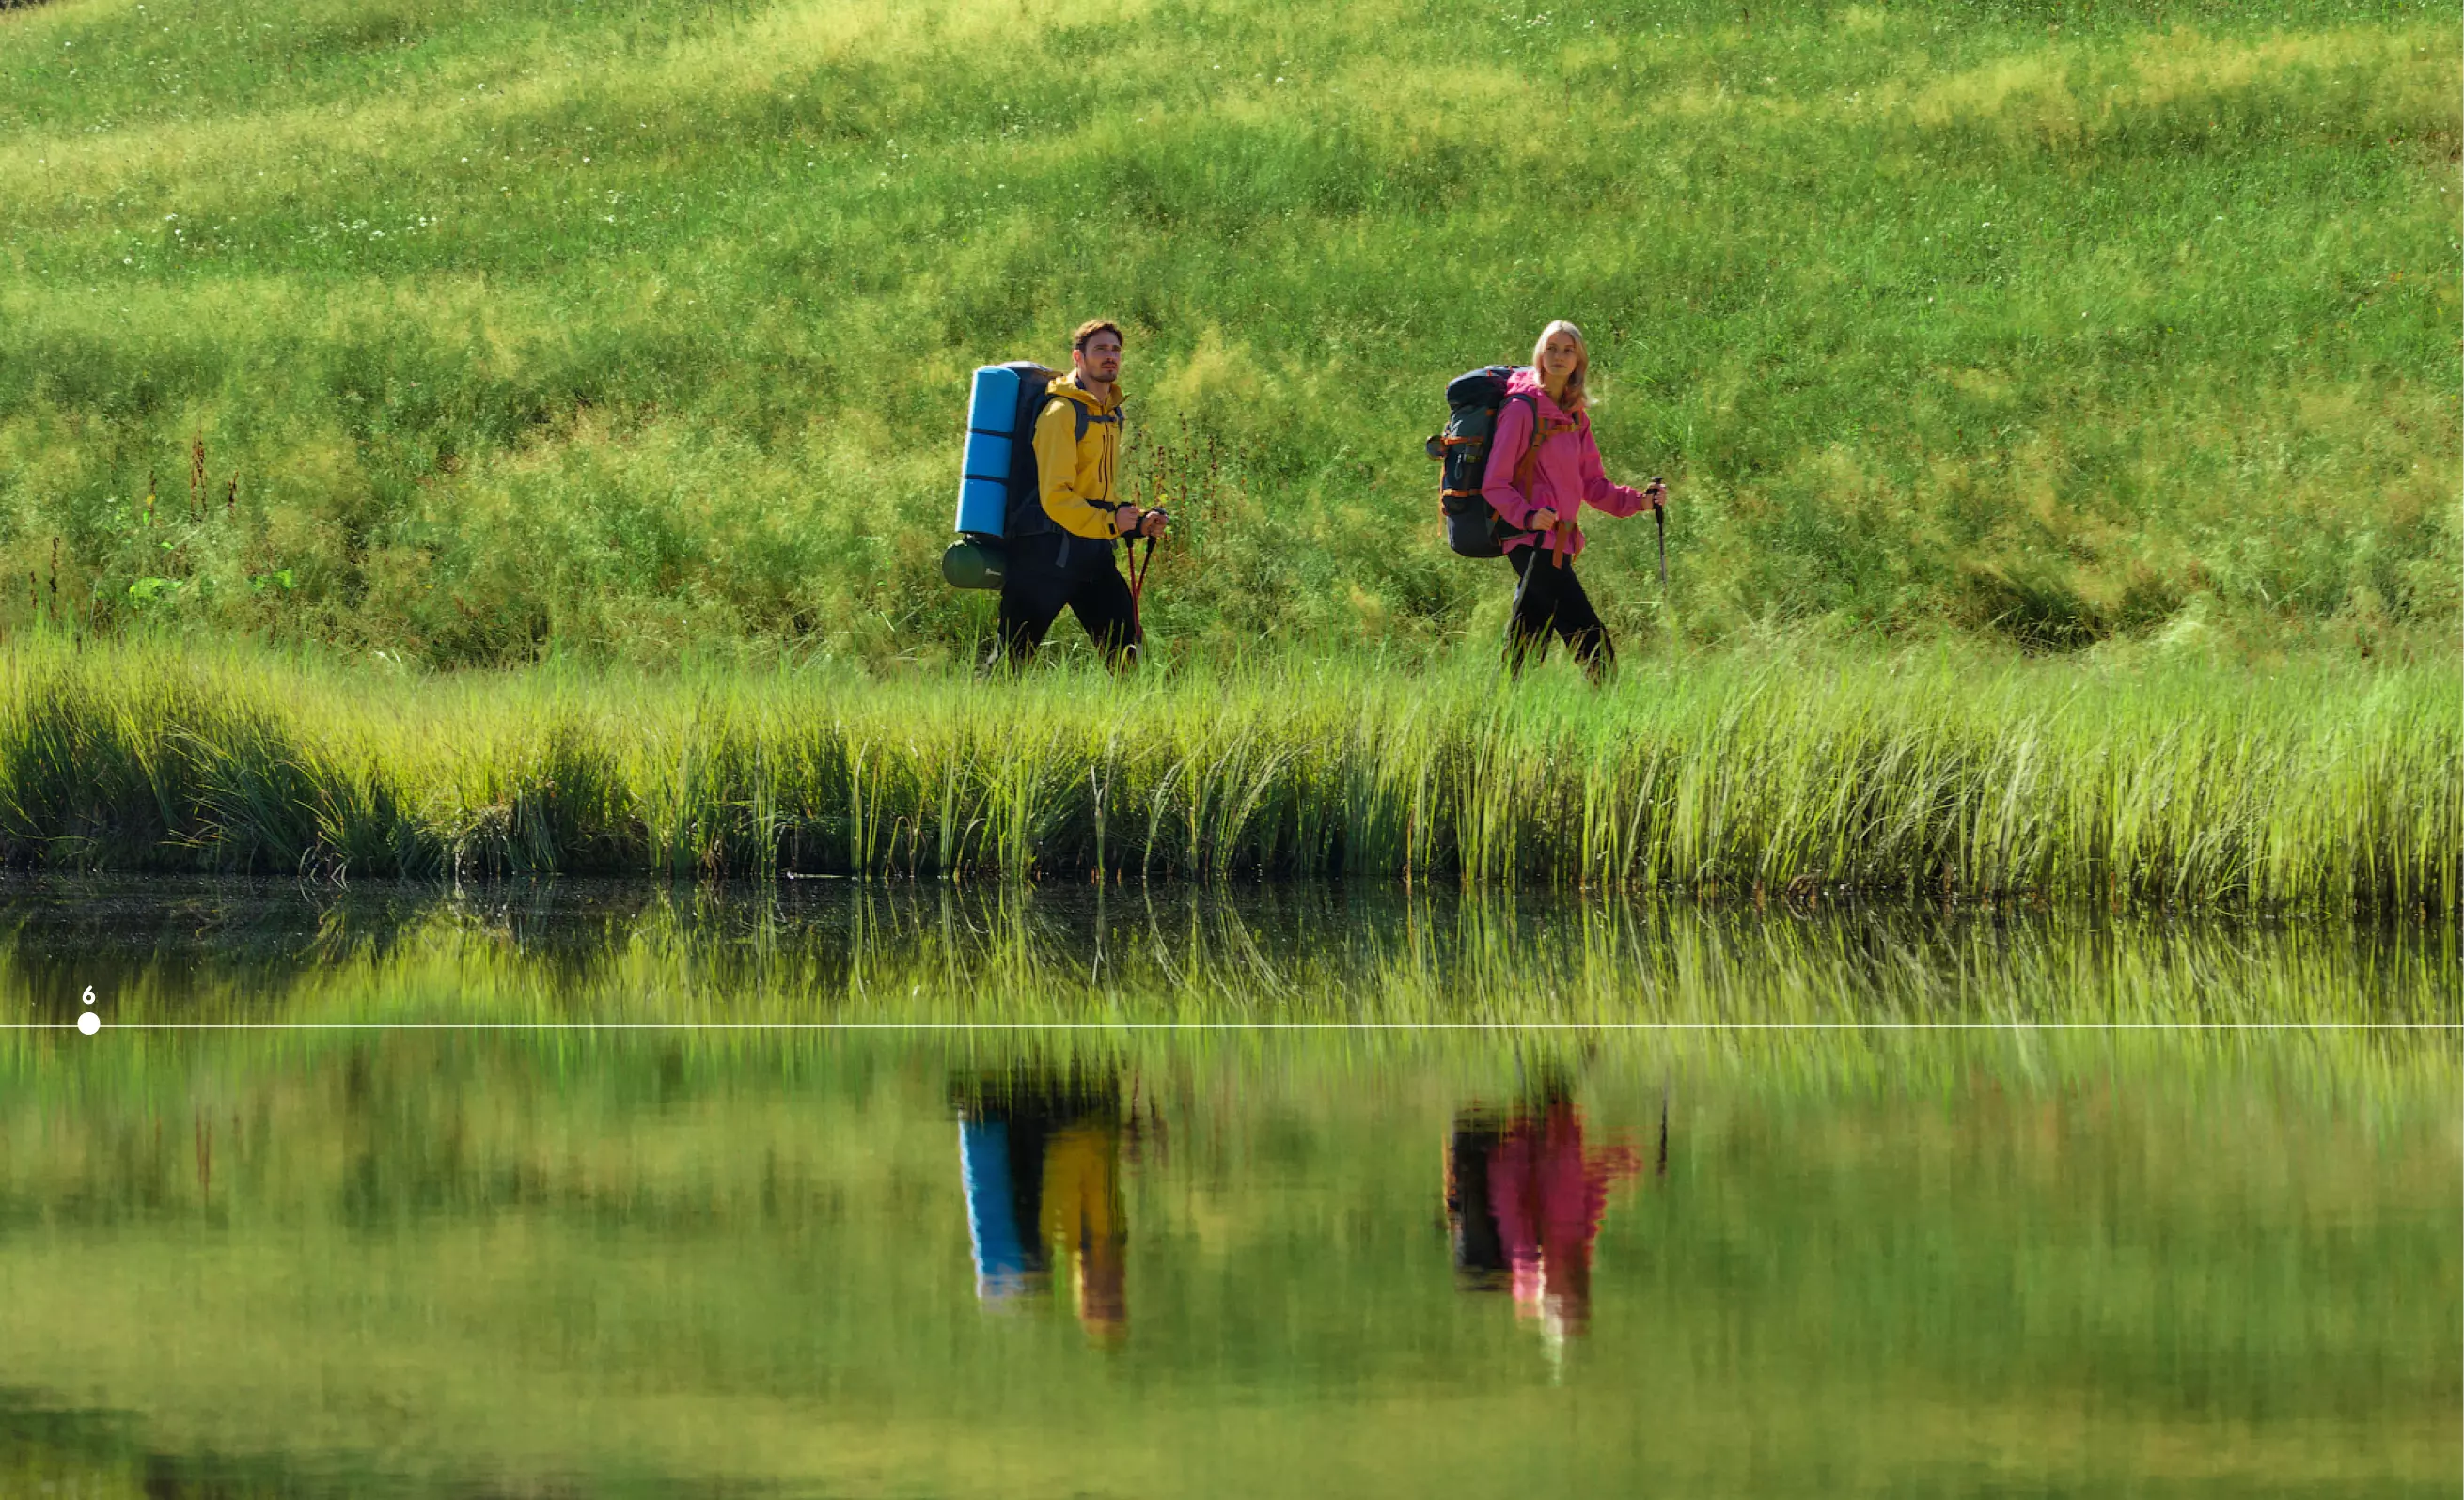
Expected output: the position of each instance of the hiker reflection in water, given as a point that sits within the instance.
(1042, 1161)
(1524, 1200)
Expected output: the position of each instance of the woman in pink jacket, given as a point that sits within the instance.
(1537, 495)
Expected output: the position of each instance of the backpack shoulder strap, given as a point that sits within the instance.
(1080, 414)
(1530, 463)
(1087, 419)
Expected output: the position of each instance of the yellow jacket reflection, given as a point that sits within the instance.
(1042, 1163)
(1082, 1220)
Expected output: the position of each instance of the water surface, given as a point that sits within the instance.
(1117, 1237)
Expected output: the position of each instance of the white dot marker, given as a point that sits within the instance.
(89, 1023)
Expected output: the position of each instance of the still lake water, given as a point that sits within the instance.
(1076, 1193)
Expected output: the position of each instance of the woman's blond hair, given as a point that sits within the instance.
(1574, 400)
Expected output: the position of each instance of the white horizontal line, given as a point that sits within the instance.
(1250, 1026)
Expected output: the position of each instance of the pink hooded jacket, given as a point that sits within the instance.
(1568, 476)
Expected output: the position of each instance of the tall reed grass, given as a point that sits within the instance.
(1941, 777)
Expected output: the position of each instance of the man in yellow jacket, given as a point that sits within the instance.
(1063, 557)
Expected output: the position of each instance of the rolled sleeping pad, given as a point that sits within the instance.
(992, 428)
(973, 562)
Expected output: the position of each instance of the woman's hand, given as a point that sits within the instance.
(1655, 494)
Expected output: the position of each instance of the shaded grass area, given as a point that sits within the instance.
(472, 330)
(1942, 776)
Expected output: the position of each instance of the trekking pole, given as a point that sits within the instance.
(1660, 519)
(1140, 563)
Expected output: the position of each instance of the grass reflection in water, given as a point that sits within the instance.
(846, 953)
(1112, 1260)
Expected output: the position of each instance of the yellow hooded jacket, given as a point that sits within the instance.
(1077, 449)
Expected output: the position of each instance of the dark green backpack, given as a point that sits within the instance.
(1473, 401)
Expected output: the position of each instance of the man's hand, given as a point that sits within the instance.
(1152, 522)
(1127, 520)
(1656, 492)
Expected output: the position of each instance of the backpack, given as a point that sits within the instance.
(1473, 401)
(999, 497)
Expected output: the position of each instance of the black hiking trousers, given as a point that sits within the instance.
(1549, 597)
(1046, 573)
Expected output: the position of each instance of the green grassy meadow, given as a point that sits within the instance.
(477, 332)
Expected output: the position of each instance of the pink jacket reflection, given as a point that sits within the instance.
(1548, 1194)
